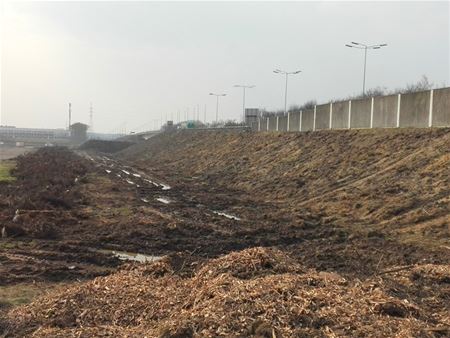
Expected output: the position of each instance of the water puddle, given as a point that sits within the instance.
(130, 182)
(165, 186)
(131, 256)
(227, 215)
(163, 200)
(108, 171)
(154, 183)
(136, 175)
(145, 200)
(126, 172)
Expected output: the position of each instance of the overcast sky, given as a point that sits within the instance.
(138, 61)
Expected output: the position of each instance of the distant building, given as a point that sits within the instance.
(78, 133)
(32, 136)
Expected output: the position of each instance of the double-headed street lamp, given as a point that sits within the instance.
(243, 102)
(277, 71)
(359, 45)
(217, 104)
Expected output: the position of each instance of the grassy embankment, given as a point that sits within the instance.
(5, 171)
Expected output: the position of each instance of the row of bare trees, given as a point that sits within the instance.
(422, 84)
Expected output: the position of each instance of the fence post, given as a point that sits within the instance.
(371, 113)
(259, 123)
(331, 115)
(314, 119)
(430, 117)
(398, 109)
(289, 115)
(268, 118)
(300, 123)
(277, 123)
(349, 125)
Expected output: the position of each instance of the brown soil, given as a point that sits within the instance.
(367, 207)
(105, 146)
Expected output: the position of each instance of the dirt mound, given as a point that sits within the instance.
(43, 194)
(392, 181)
(150, 300)
(104, 146)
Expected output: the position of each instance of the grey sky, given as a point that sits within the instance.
(138, 61)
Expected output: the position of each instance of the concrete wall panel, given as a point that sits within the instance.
(282, 123)
(263, 123)
(307, 119)
(254, 125)
(360, 117)
(385, 111)
(441, 107)
(323, 116)
(272, 123)
(294, 121)
(340, 115)
(414, 109)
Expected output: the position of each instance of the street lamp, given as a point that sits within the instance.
(243, 102)
(217, 104)
(277, 71)
(359, 45)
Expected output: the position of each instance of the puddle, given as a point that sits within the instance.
(163, 200)
(165, 187)
(131, 256)
(136, 175)
(154, 183)
(145, 200)
(130, 182)
(108, 171)
(227, 215)
(126, 172)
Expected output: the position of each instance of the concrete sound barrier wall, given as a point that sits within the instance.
(385, 110)
(440, 116)
(415, 109)
(360, 113)
(422, 109)
(263, 124)
(294, 121)
(307, 120)
(272, 123)
(282, 123)
(340, 115)
(323, 116)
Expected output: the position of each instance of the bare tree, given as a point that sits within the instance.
(421, 85)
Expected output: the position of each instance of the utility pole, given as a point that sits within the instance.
(243, 100)
(217, 104)
(277, 71)
(91, 117)
(359, 45)
(70, 115)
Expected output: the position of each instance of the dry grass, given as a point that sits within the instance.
(5, 171)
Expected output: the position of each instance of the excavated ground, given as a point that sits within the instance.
(359, 220)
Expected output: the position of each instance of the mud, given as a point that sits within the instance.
(356, 206)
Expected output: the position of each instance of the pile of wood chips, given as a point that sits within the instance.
(257, 292)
